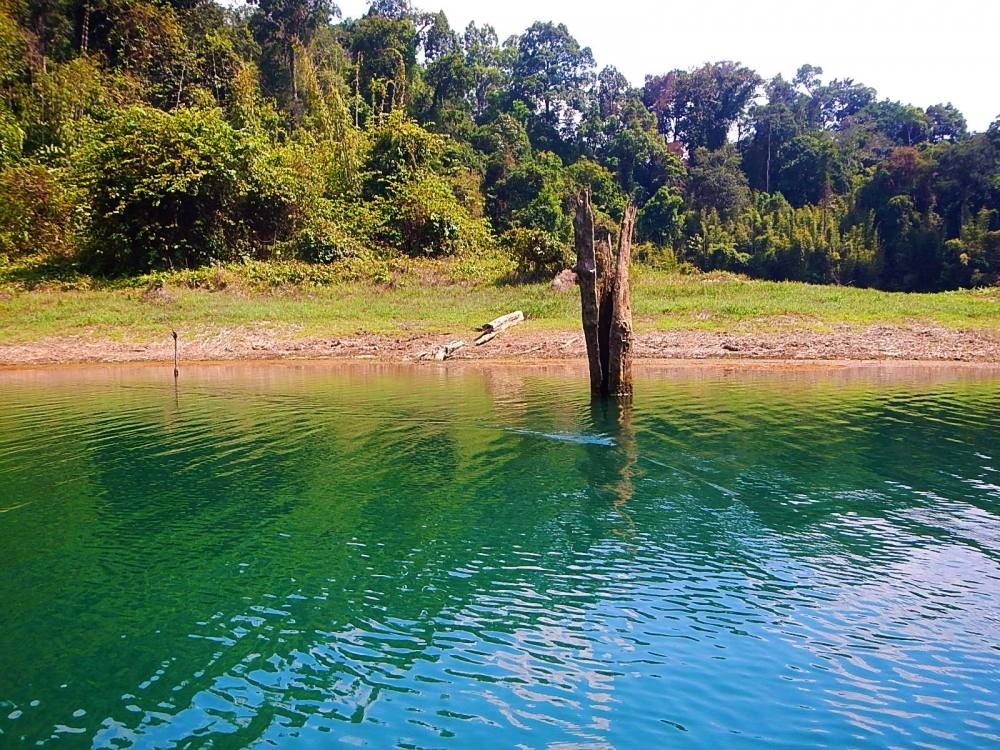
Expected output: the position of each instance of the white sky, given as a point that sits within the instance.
(920, 51)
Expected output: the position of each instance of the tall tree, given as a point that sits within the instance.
(903, 124)
(966, 180)
(700, 107)
(490, 66)
(394, 9)
(552, 75)
(612, 92)
(437, 37)
(832, 104)
(993, 133)
(385, 55)
(946, 123)
(774, 124)
(813, 169)
(280, 27)
(52, 23)
(715, 181)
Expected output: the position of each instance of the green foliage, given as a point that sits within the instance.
(182, 189)
(713, 245)
(13, 49)
(320, 239)
(449, 78)
(813, 169)
(420, 210)
(181, 133)
(532, 196)
(399, 150)
(607, 196)
(550, 73)
(35, 212)
(945, 123)
(63, 98)
(661, 220)
(716, 182)
(965, 180)
(384, 48)
(973, 259)
(660, 257)
(333, 145)
(698, 107)
(148, 43)
(775, 240)
(537, 253)
(11, 139)
(422, 217)
(283, 29)
(903, 124)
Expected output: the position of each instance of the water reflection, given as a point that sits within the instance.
(300, 554)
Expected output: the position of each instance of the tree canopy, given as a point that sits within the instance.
(145, 134)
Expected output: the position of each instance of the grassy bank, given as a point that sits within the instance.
(37, 302)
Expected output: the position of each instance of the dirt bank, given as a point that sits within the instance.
(917, 343)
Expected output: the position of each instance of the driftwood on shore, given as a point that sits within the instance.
(492, 329)
(489, 332)
(442, 352)
(606, 300)
(447, 350)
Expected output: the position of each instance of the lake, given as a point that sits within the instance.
(315, 555)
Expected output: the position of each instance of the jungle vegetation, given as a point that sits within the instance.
(141, 135)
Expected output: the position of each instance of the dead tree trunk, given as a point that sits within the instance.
(606, 300)
(586, 272)
(620, 374)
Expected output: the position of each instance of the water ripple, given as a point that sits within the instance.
(424, 558)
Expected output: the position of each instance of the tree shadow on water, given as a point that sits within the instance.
(611, 470)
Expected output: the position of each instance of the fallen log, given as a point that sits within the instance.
(494, 327)
(486, 337)
(503, 322)
(447, 350)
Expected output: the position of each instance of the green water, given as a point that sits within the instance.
(321, 556)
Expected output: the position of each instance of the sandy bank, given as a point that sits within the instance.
(845, 343)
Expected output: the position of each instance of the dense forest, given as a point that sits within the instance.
(149, 134)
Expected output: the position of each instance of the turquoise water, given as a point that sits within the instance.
(338, 556)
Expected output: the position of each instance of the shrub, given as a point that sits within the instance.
(974, 259)
(181, 190)
(63, 97)
(422, 216)
(399, 150)
(661, 220)
(532, 196)
(425, 217)
(11, 140)
(321, 240)
(661, 257)
(538, 254)
(35, 212)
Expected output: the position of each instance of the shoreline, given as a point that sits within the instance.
(652, 364)
(839, 347)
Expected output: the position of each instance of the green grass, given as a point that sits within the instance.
(399, 297)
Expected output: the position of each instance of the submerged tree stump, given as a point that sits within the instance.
(606, 299)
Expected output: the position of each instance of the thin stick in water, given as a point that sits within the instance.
(176, 370)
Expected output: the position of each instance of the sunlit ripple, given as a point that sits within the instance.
(426, 558)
